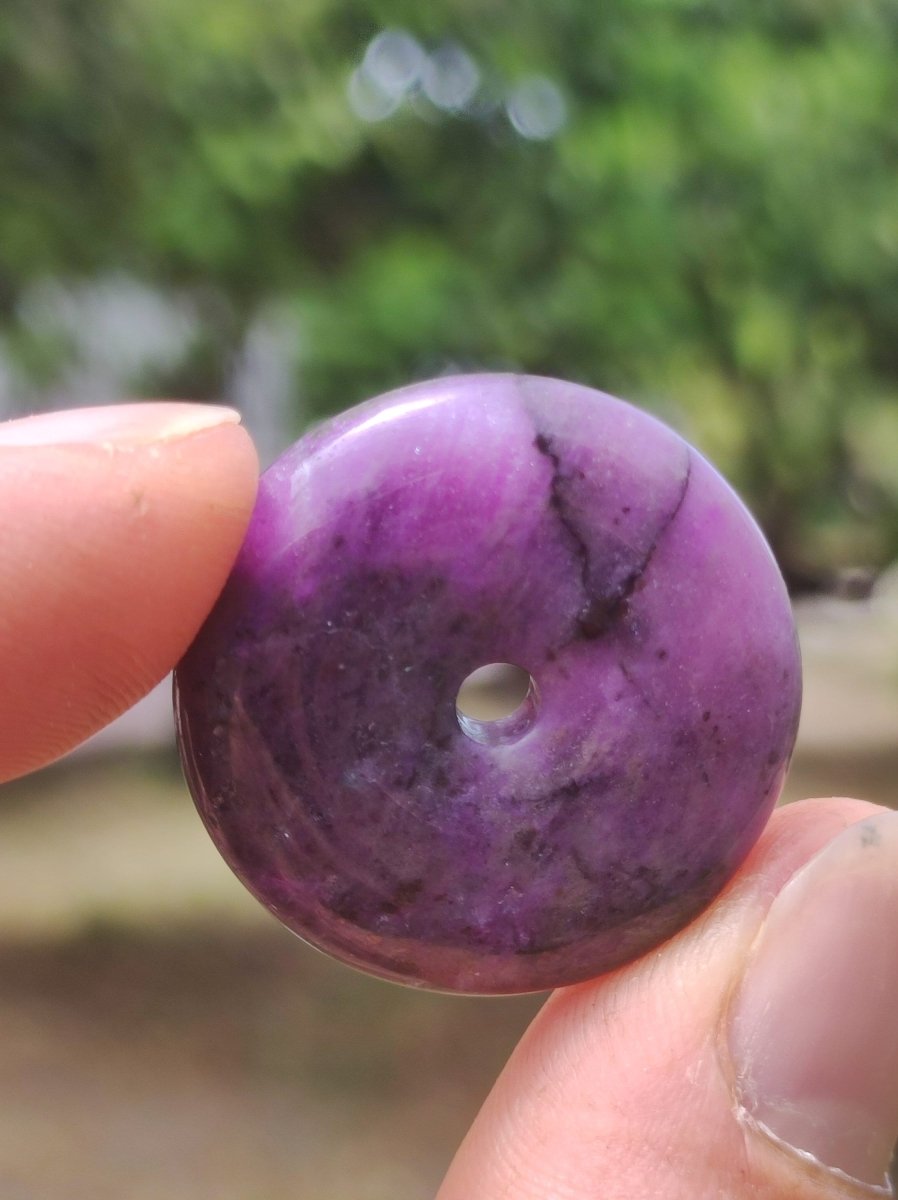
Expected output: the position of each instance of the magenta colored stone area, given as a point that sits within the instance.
(491, 518)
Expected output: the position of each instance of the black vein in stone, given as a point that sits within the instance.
(611, 608)
(602, 611)
(558, 506)
(636, 687)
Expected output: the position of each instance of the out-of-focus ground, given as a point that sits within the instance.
(162, 1037)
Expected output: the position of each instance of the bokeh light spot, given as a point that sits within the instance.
(536, 108)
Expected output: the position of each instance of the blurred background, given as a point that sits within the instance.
(291, 206)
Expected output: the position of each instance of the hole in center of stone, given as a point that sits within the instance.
(496, 704)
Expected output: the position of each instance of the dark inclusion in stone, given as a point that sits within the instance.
(491, 518)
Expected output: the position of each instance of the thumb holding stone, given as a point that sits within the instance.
(813, 1031)
(754, 1055)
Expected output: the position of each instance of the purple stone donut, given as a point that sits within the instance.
(473, 520)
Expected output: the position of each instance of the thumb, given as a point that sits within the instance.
(754, 1055)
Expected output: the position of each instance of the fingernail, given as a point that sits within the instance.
(124, 426)
(814, 1028)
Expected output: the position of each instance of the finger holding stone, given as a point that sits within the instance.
(121, 524)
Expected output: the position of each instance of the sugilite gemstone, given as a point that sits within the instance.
(410, 541)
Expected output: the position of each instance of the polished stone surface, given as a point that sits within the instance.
(470, 520)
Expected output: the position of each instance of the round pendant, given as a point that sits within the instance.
(400, 547)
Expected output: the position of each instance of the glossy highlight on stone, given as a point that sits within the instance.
(411, 540)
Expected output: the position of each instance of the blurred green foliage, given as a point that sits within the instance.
(713, 233)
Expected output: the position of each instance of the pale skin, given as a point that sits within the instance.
(110, 557)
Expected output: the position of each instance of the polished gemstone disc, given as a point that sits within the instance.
(401, 546)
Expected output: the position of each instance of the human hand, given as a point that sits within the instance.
(773, 1010)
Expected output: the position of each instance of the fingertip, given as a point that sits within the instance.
(794, 834)
(112, 556)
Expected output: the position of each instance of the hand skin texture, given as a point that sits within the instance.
(755, 1055)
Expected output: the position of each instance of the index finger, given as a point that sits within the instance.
(119, 527)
